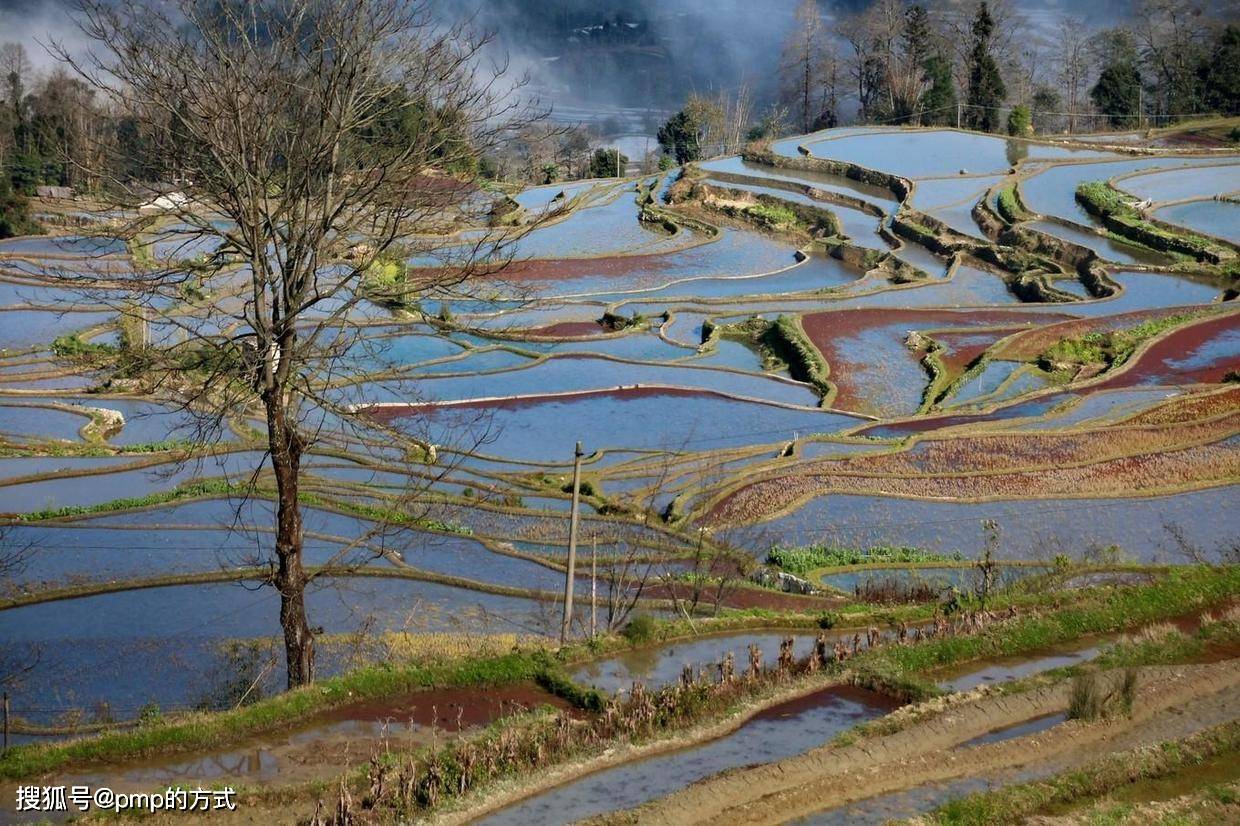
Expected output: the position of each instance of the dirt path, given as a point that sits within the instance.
(1172, 702)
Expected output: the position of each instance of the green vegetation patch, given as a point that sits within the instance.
(1109, 347)
(1165, 646)
(1009, 205)
(1118, 215)
(773, 215)
(15, 216)
(802, 560)
(72, 346)
(203, 730)
(1183, 591)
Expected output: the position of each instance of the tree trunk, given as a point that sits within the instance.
(290, 575)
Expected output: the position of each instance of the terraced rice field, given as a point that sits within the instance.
(732, 382)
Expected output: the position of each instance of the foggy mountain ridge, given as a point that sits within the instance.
(652, 53)
(619, 65)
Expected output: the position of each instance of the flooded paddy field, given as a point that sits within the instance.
(736, 381)
(1217, 218)
(775, 733)
(935, 153)
(172, 646)
(1037, 526)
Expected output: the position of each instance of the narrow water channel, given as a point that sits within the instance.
(1034, 726)
(634, 784)
(657, 667)
(1005, 669)
(898, 805)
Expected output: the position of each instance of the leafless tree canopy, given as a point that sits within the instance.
(809, 70)
(311, 150)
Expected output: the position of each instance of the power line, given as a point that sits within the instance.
(897, 119)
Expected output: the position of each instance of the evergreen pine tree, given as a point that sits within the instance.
(915, 48)
(986, 89)
(1118, 92)
(938, 102)
(1220, 73)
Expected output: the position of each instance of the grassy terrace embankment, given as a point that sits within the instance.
(1104, 610)
(1117, 214)
(1066, 790)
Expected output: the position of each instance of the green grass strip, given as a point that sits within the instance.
(207, 729)
(1107, 610)
(1014, 804)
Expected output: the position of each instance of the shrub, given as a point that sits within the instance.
(640, 629)
(607, 163)
(14, 213)
(1020, 121)
(561, 685)
(773, 216)
(1085, 702)
(827, 621)
(679, 137)
(72, 346)
(1128, 690)
(586, 488)
(1009, 205)
(150, 714)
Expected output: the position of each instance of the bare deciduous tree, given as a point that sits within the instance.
(809, 69)
(1173, 36)
(985, 569)
(1072, 57)
(14, 556)
(316, 144)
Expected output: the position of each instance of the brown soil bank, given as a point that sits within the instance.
(1172, 702)
(391, 412)
(568, 329)
(319, 749)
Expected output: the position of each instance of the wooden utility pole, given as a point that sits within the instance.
(594, 587)
(6, 721)
(572, 546)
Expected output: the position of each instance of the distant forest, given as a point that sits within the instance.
(735, 71)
